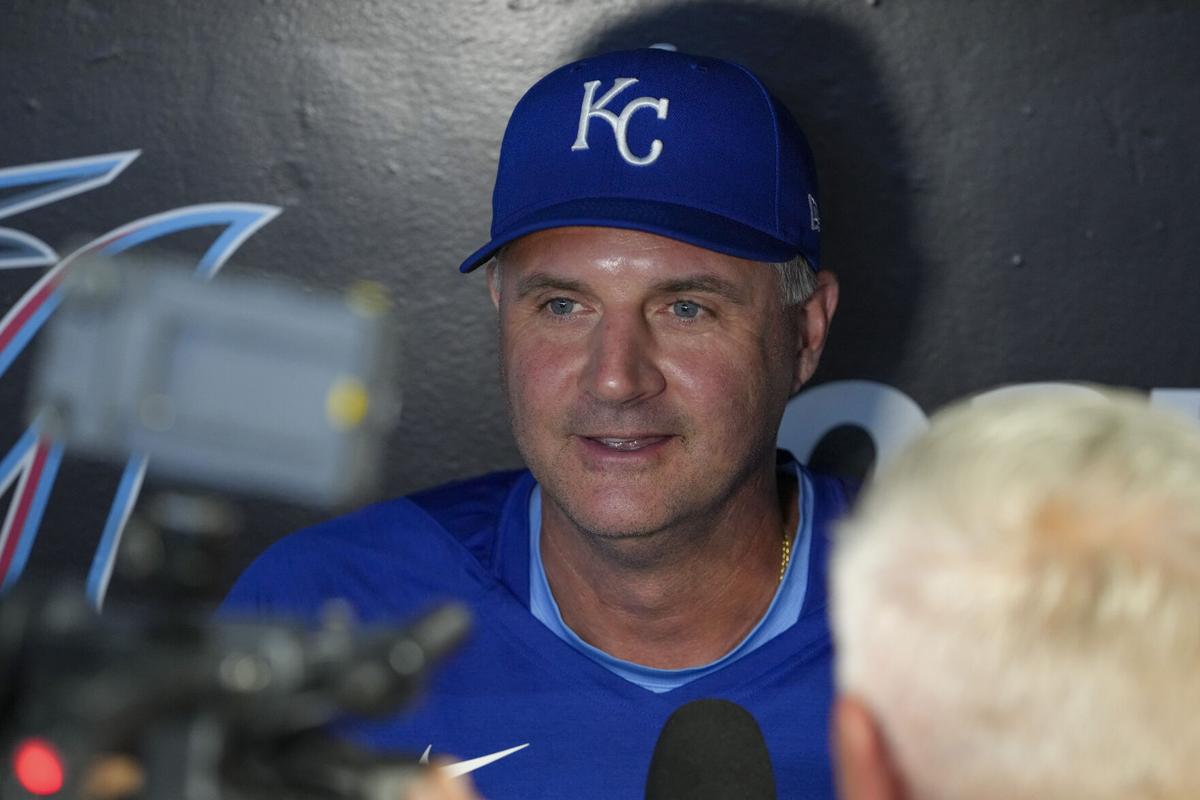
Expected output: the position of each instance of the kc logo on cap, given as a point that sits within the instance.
(700, 151)
(619, 122)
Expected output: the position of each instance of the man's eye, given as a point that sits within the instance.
(685, 309)
(561, 306)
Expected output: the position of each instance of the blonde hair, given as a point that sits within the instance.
(1017, 599)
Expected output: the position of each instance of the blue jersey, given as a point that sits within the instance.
(583, 731)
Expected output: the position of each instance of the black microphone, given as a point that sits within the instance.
(710, 750)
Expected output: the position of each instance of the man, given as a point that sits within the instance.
(654, 239)
(1016, 604)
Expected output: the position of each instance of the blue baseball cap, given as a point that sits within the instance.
(684, 146)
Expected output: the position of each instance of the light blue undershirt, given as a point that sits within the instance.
(780, 615)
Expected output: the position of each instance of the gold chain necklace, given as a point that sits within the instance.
(787, 557)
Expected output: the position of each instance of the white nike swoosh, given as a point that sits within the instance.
(470, 765)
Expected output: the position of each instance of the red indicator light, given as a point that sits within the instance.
(38, 766)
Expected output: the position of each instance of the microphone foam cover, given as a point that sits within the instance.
(710, 750)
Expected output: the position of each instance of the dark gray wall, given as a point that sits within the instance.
(1010, 189)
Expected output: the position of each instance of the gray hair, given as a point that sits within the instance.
(797, 280)
(1016, 600)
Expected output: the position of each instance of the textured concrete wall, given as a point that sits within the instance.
(1010, 189)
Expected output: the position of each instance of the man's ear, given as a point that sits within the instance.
(493, 279)
(865, 767)
(813, 319)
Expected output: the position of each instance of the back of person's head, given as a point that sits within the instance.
(1017, 607)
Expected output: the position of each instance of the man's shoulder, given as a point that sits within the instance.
(833, 494)
(473, 510)
(419, 545)
(470, 502)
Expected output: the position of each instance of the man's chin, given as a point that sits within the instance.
(618, 512)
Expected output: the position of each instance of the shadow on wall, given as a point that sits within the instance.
(826, 73)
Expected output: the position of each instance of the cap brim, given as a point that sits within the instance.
(701, 228)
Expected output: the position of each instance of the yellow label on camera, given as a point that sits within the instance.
(346, 404)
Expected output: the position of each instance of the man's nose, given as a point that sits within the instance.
(622, 360)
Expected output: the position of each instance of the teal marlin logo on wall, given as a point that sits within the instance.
(32, 463)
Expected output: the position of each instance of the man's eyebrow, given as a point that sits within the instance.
(538, 281)
(708, 284)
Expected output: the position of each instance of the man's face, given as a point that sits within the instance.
(646, 377)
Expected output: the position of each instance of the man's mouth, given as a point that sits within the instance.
(627, 443)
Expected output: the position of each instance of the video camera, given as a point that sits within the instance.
(240, 384)
(164, 706)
